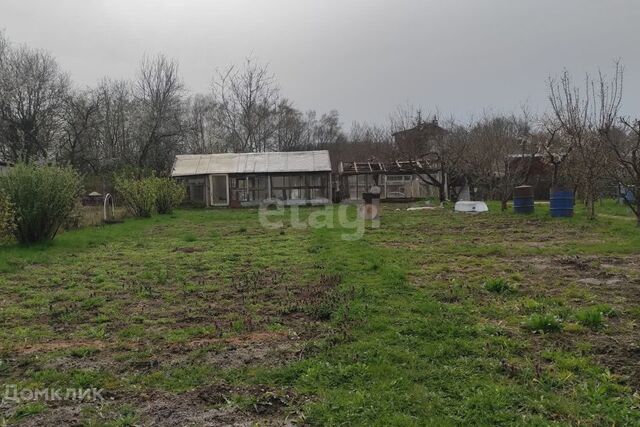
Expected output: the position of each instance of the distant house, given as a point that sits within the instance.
(247, 179)
(416, 141)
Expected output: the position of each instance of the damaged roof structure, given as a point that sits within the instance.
(398, 180)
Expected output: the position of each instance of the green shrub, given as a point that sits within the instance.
(42, 198)
(138, 195)
(543, 323)
(499, 286)
(7, 218)
(169, 194)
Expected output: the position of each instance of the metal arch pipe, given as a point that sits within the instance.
(108, 198)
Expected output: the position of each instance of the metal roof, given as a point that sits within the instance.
(271, 162)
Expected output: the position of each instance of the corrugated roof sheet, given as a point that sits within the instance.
(273, 162)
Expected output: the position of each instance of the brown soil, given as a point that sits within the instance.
(58, 345)
(211, 405)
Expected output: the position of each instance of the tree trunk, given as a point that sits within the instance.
(441, 192)
(503, 205)
(591, 206)
(554, 178)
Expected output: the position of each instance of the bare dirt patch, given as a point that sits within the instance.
(188, 250)
(585, 281)
(612, 278)
(57, 345)
(213, 405)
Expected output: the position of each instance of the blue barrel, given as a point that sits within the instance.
(628, 196)
(523, 199)
(561, 203)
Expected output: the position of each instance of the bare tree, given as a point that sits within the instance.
(4, 125)
(364, 142)
(33, 90)
(370, 133)
(500, 154)
(246, 101)
(4, 48)
(405, 117)
(202, 137)
(606, 95)
(328, 129)
(79, 136)
(626, 149)
(454, 158)
(116, 139)
(583, 118)
(158, 92)
(556, 149)
(291, 128)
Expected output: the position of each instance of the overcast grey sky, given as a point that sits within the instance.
(361, 57)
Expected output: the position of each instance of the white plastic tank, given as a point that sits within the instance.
(471, 207)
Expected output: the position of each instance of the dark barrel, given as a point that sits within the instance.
(561, 203)
(368, 198)
(523, 199)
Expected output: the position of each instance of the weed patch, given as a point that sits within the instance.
(498, 286)
(543, 323)
(591, 317)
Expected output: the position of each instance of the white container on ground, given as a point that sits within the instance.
(471, 207)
